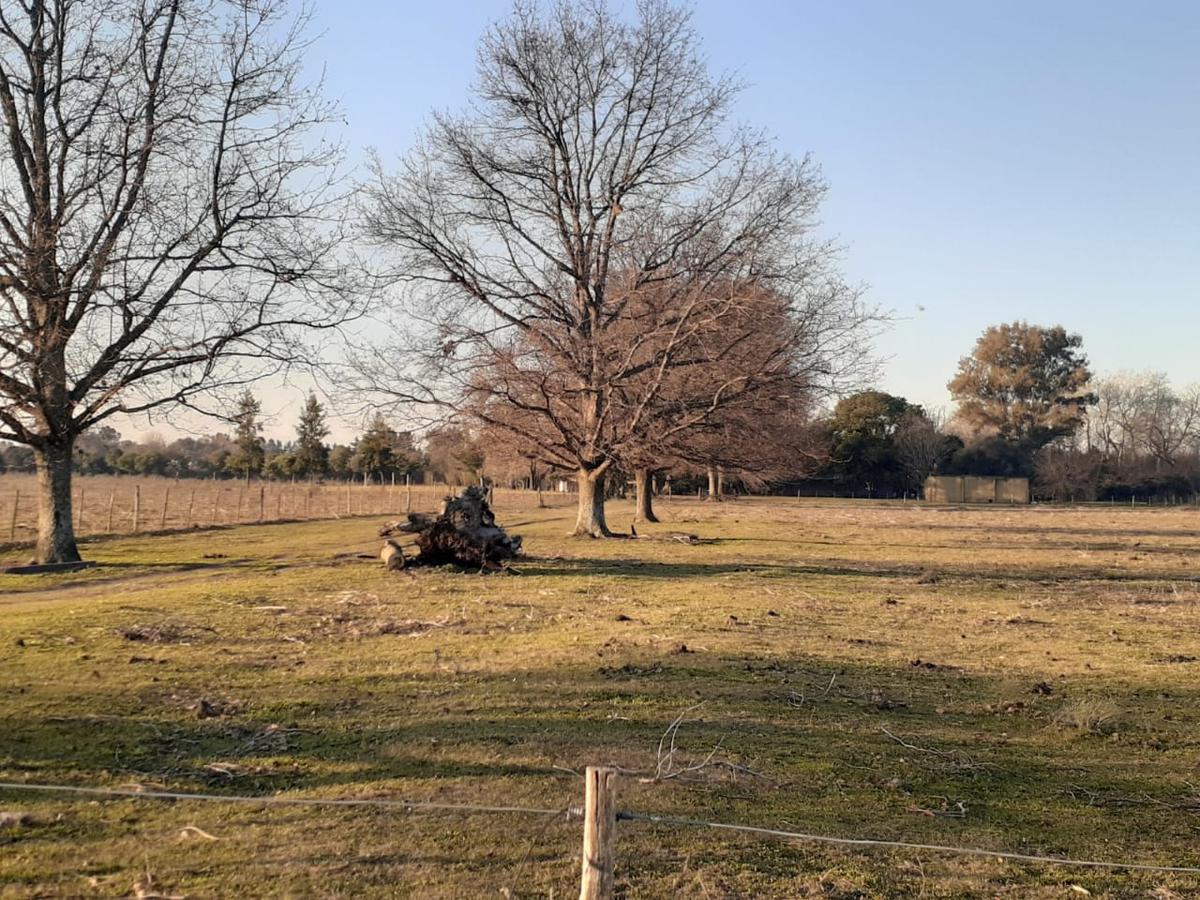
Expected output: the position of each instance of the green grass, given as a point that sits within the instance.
(1037, 662)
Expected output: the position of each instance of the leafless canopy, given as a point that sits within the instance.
(584, 229)
(1143, 414)
(166, 208)
(160, 204)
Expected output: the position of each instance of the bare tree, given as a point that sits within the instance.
(1066, 472)
(1107, 420)
(166, 210)
(1143, 413)
(566, 241)
(743, 405)
(921, 443)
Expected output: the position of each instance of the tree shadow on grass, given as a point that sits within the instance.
(926, 573)
(813, 741)
(991, 545)
(1037, 528)
(101, 574)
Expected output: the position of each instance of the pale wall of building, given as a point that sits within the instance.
(976, 489)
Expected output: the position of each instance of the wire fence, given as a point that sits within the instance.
(572, 812)
(275, 799)
(121, 505)
(900, 845)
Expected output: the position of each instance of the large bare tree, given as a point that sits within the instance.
(166, 218)
(564, 242)
(741, 400)
(1144, 413)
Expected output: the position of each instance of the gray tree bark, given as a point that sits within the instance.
(643, 503)
(56, 528)
(714, 485)
(590, 519)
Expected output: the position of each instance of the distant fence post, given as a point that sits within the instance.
(262, 501)
(12, 525)
(191, 504)
(599, 833)
(162, 519)
(137, 505)
(112, 498)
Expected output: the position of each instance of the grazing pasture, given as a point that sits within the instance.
(1019, 679)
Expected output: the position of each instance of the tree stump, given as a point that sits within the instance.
(392, 555)
(465, 534)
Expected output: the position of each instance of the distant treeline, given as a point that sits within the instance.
(380, 454)
(1130, 436)
(1138, 438)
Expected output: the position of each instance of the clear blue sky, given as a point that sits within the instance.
(987, 161)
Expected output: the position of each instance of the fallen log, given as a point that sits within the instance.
(465, 534)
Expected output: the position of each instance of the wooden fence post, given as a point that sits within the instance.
(12, 525)
(112, 498)
(599, 833)
(137, 505)
(216, 506)
(191, 503)
(162, 520)
(262, 501)
(408, 493)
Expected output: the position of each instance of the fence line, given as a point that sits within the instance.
(571, 812)
(275, 800)
(121, 505)
(900, 845)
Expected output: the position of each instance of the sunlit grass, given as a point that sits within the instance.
(1042, 662)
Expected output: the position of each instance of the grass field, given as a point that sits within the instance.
(1020, 679)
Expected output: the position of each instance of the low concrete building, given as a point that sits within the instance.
(976, 489)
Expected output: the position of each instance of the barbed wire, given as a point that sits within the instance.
(275, 800)
(900, 845)
(573, 812)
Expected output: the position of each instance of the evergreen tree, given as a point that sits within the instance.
(339, 461)
(863, 455)
(249, 454)
(310, 458)
(374, 454)
(382, 451)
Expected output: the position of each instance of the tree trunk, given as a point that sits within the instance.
(590, 520)
(56, 533)
(714, 485)
(643, 507)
